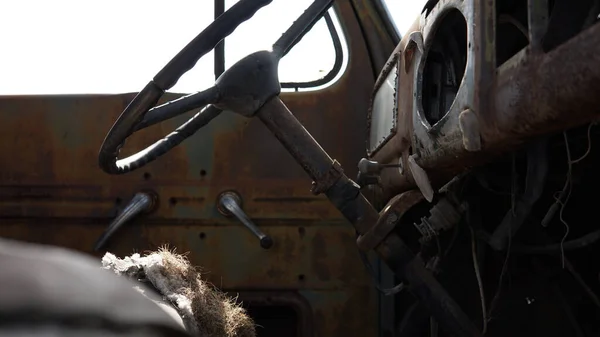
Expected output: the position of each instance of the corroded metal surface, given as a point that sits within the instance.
(374, 30)
(531, 94)
(398, 148)
(346, 196)
(51, 190)
(49, 147)
(305, 255)
(389, 217)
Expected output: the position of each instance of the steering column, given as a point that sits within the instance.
(251, 88)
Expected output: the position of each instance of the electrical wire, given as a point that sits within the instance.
(479, 281)
(505, 18)
(509, 246)
(573, 244)
(569, 188)
(589, 147)
(561, 202)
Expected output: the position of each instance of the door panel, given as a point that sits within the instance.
(52, 191)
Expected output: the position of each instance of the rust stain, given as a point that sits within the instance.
(319, 265)
(530, 95)
(52, 191)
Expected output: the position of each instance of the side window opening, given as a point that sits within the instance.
(320, 76)
(111, 47)
(404, 12)
(317, 55)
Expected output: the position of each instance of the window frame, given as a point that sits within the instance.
(219, 62)
(388, 21)
(219, 52)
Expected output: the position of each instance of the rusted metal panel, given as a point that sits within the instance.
(399, 147)
(290, 299)
(347, 198)
(319, 261)
(545, 93)
(59, 137)
(304, 255)
(445, 138)
(379, 41)
(532, 94)
(52, 191)
(341, 313)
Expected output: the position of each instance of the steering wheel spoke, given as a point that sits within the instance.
(134, 118)
(244, 88)
(165, 144)
(178, 106)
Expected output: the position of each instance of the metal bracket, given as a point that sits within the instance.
(388, 218)
(322, 184)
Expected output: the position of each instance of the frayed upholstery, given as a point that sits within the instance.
(205, 310)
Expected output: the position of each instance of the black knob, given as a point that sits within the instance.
(230, 204)
(266, 242)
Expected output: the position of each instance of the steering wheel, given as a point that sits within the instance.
(243, 88)
(250, 87)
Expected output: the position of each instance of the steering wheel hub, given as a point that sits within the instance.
(249, 83)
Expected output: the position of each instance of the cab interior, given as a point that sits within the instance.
(435, 110)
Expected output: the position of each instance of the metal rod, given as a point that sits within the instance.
(294, 137)
(229, 203)
(300, 27)
(537, 19)
(346, 197)
(141, 202)
(220, 48)
(532, 95)
(206, 41)
(178, 106)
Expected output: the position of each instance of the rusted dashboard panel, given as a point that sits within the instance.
(52, 191)
(468, 91)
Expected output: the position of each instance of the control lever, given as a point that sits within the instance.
(230, 203)
(368, 172)
(142, 202)
(344, 194)
(366, 166)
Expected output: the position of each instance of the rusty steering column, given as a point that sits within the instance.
(344, 193)
(251, 88)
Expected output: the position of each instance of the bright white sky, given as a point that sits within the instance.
(404, 12)
(115, 46)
